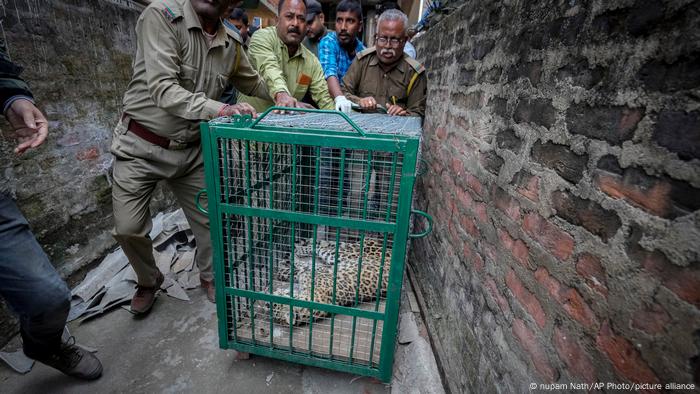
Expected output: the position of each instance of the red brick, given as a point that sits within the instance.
(506, 204)
(455, 239)
(684, 282)
(496, 294)
(441, 133)
(465, 198)
(521, 253)
(526, 298)
(529, 187)
(471, 256)
(91, 153)
(506, 239)
(626, 359)
(474, 184)
(655, 199)
(586, 213)
(446, 181)
(575, 358)
(686, 285)
(478, 262)
(481, 214)
(651, 319)
(556, 241)
(589, 267)
(570, 299)
(516, 247)
(469, 226)
(456, 166)
(537, 353)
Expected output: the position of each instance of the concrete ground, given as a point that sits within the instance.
(174, 350)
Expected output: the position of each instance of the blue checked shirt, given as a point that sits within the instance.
(334, 60)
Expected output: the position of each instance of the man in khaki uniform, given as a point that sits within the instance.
(184, 57)
(384, 75)
(289, 69)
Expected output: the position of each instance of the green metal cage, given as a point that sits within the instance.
(309, 229)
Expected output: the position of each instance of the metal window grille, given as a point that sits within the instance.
(309, 230)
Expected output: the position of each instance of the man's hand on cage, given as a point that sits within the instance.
(301, 104)
(283, 99)
(238, 109)
(395, 110)
(368, 103)
(29, 124)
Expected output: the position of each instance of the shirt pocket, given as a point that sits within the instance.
(303, 83)
(187, 76)
(400, 94)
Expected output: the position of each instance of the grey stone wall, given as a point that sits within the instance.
(563, 139)
(77, 58)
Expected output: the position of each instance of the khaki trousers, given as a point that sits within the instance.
(139, 165)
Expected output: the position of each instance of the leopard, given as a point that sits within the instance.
(346, 287)
(348, 252)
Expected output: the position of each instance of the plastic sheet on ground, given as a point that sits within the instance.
(113, 282)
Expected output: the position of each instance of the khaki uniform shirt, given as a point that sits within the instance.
(177, 76)
(367, 78)
(295, 75)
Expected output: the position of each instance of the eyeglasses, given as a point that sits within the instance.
(382, 40)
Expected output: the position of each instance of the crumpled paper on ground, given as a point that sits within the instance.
(113, 282)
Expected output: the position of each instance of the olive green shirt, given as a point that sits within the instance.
(295, 75)
(177, 77)
(367, 78)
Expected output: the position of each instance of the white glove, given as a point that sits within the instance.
(342, 104)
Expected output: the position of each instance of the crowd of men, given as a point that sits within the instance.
(195, 60)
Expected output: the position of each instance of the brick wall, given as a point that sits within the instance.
(563, 141)
(77, 58)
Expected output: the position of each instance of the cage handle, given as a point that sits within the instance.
(430, 224)
(318, 111)
(200, 208)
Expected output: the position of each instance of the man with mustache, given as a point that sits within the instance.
(384, 75)
(289, 69)
(315, 28)
(337, 49)
(185, 56)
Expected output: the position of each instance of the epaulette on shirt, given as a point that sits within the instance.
(170, 9)
(415, 64)
(365, 52)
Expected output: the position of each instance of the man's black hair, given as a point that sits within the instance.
(279, 6)
(239, 14)
(350, 6)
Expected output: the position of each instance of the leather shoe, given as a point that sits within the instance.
(208, 286)
(145, 296)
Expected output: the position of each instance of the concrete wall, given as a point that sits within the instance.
(77, 59)
(563, 139)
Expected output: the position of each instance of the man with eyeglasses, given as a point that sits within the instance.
(384, 77)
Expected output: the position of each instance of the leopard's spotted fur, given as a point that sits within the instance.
(347, 282)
